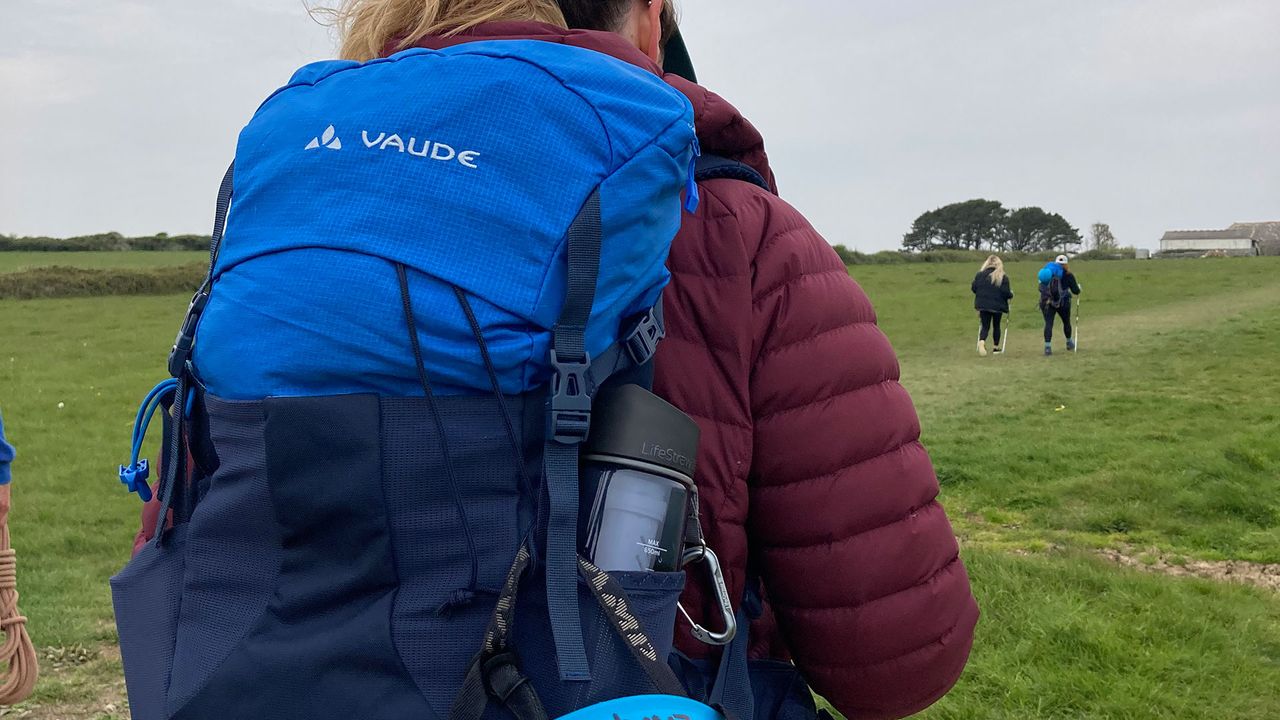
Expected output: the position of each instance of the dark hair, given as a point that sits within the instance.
(609, 15)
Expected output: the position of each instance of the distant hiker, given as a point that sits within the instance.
(757, 306)
(991, 299)
(1057, 285)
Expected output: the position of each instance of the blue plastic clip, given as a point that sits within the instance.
(135, 477)
(691, 197)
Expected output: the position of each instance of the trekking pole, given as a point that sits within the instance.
(1075, 341)
(1008, 327)
(17, 682)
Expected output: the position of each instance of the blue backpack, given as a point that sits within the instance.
(1052, 292)
(431, 264)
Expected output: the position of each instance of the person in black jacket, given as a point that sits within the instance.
(991, 295)
(1055, 301)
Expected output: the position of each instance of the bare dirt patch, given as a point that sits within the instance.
(1261, 575)
(76, 684)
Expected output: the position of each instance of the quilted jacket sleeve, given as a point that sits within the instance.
(858, 558)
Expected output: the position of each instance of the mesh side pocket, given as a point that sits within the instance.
(147, 595)
(653, 597)
(615, 673)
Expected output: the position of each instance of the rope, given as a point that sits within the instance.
(17, 683)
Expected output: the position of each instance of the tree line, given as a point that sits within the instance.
(988, 225)
(111, 241)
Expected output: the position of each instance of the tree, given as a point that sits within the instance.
(1025, 229)
(982, 224)
(1031, 229)
(969, 225)
(1059, 235)
(1101, 236)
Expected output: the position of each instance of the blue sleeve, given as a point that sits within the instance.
(6, 456)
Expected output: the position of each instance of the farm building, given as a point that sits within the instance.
(1240, 239)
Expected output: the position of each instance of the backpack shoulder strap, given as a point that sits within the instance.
(715, 167)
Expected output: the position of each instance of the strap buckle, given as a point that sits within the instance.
(642, 343)
(181, 352)
(571, 394)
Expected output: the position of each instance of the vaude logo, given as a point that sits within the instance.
(329, 140)
(382, 142)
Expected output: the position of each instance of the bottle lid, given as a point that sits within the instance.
(632, 423)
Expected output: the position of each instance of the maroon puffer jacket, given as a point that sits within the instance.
(810, 465)
(810, 469)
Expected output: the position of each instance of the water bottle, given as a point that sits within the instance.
(637, 482)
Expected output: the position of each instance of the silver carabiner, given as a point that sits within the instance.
(702, 553)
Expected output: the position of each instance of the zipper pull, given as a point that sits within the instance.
(692, 198)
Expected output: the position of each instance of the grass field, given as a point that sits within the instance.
(1157, 443)
(16, 261)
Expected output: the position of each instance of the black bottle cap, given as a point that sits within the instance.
(632, 423)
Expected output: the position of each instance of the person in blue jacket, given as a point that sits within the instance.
(6, 455)
(1057, 285)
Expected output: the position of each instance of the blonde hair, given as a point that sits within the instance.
(997, 275)
(369, 29)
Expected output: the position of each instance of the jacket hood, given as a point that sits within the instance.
(722, 129)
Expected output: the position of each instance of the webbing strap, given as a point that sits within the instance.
(569, 421)
(220, 216)
(495, 670)
(180, 356)
(182, 345)
(634, 350)
(731, 690)
(714, 167)
(583, 250)
(560, 464)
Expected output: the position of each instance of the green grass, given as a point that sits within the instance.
(1064, 635)
(1165, 441)
(16, 261)
(1159, 432)
(72, 523)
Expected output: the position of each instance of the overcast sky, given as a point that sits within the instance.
(1147, 114)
